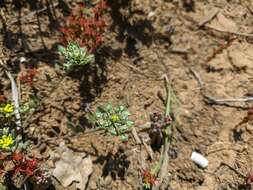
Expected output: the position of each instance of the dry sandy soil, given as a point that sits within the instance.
(144, 40)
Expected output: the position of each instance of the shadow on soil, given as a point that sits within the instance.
(114, 165)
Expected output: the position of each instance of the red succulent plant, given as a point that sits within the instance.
(18, 164)
(2, 98)
(24, 165)
(28, 77)
(149, 179)
(85, 26)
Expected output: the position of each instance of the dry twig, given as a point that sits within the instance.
(136, 136)
(219, 101)
(178, 50)
(213, 100)
(208, 17)
(232, 168)
(221, 48)
(230, 32)
(197, 77)
(149, 150)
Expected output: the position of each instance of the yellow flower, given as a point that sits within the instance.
(8, 108)
(6, 142)
(115, 118)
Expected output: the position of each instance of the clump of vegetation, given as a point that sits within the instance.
(6, 142)
(7, 118)
(17, 168)
(113, 119)
(85, 26)
(148, 178)
(75, 56)
(9, 142)
(159, 123)
(6, 109)
(28, 77)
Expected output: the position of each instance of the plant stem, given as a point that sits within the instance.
(162, 168)
(168, 105)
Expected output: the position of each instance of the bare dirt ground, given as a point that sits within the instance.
(145, 40)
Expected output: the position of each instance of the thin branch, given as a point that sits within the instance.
(197, 77)
(230, 32)
(241, 99)
(209, 17)
(179, 50)
(149, 150)
(142, 128)
(222, 101)
(136, 136)
(232, 168)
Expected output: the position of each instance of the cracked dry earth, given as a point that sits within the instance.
(144, 41)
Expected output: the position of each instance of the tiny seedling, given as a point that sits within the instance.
(113, 119)
(75, 56)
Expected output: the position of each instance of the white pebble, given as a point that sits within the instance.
(199, 159)
(151, 14)
(22, 59)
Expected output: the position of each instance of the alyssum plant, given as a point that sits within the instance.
(113, 119)
(75, 56)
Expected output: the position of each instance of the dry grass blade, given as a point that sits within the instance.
(15, 95)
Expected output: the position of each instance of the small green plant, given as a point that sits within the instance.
(27, 107)
(7, 114)
(75, 56)
(113, 119)
(9, 142)
(7, 109)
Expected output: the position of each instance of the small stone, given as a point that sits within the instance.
(249, 128)
(50, 164)
(93, 185)
(151, 14)
(22, 59)
(221, 3)
(173, 153)
(76, 106)
(107, 181)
